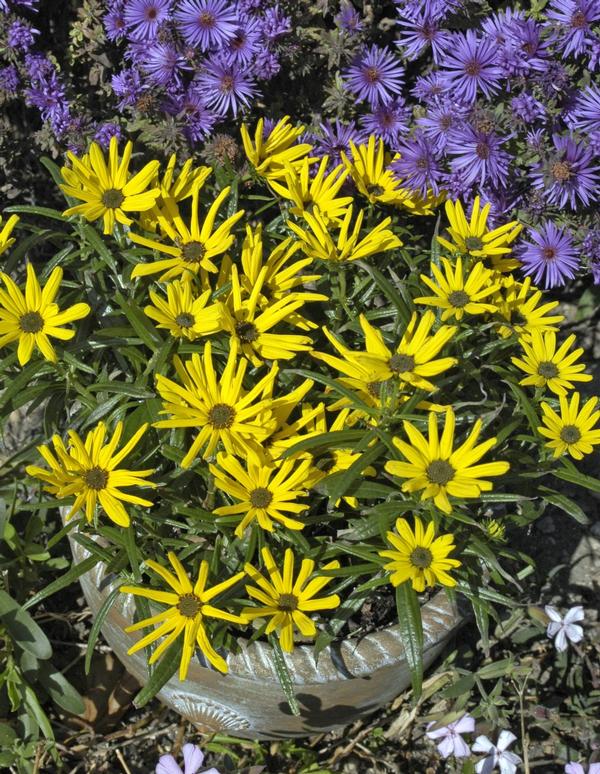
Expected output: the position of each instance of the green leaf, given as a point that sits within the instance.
(28, 209)
(283, 673)
(139, 322)
(388, 290)
(411, 632)
(336, 386)
(526, 405)
(574, 477)
(62, 692)
(96, 241)
(35, 711)
(339, 483)
(565, 504)
(335, 440)
(122, 388)
(164, 671)
(97, 625)
(53, 168)
(22, 628)
(60, 583)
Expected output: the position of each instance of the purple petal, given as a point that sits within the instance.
(577, 768)
(574, 632)
(594, 768)
(446, 747)
(461, 748)
(438, 732)
(466, 725)
(193, 758)
(574, 614)
(553, 628)
(560, 642)
(482, 744)
(553, 613)
(167, 765)
(505, 739)
(486, 766)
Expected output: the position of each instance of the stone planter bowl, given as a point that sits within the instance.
(352, 678)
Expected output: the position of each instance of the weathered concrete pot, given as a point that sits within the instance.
(352, 677)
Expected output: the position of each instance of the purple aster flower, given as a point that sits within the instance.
(162, 62)
(440, 120)
(38, 66)
(246, 43)
(594, 51)
(128, 86)
(375, 76)
(114, 24)
(9, 79)
(526, 108)
(266, 65)
(471, 65)
(421, 31)
(334, 139)
(48, 95)
(206, 23)
(104, 132)
(554, 78)
(452, 742)
(429, 88)
(418, 167)
(191, 109)
(572, 20)
(456, 184)
(569, 174)
(21, 35)
(388, 121)
(550, 257)
(590, 247)
(479, 155)
(528, 39)
(275, 23)
(585, 115)
(144, 17)
(348, 19)
(226, 85)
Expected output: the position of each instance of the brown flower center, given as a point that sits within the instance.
(287, 602)
(189, 605)
(421, 557)
(261, 497)
(206, 19)
(221, 416)
(247, 331)
(399, 364)
(112, 198)
(440, 472)
(483, 150)
(570, 434)
(372, 74)
(473, 243)
(473, 67)
(561, 171)
(376, 190)
(578, 20)
(96, 478)
(459, 299)
(151, 13)
(547, 369)
(227, 83)
(185, 320)
(548, 253)
(31, 322)
(193, 252)
(374, 388)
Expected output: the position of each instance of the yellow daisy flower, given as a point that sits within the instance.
(6, 240)
(372, 177)
(439, 471)
(318, 243)
(548, 366)
(280, 278)
(456, 294)
(309, 192)
(107, 190)
(521, 311)
(473, 238)
(250, 326)
(31, 318)
(183, 315)
(419, 556)
(572, 430)
(263, 491)
(219, 406)
(414, 358)
(270, 155)
(193, 248)
(285, 600)
(188, 606)
(88, 470)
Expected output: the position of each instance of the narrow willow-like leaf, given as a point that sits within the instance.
(388, 290)
(60, 583)
(30, 209)
(526, 405)
(162, 673)
(574, 477)
(336, 439)
(97, 625)
(564, 503)
(411, 632)
(283, 673)
(22, 629)
(337, 386)
(339, 483)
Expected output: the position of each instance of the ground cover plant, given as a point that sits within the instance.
(287, 385)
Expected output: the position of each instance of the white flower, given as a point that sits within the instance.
(497, 755)
(193, 758)
(577, 768)
(452, 742)
(563, 629)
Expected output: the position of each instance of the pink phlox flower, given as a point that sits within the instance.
(577, 768)
(193, 758)
(452, 742)
(497, 754)
(564, 629)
